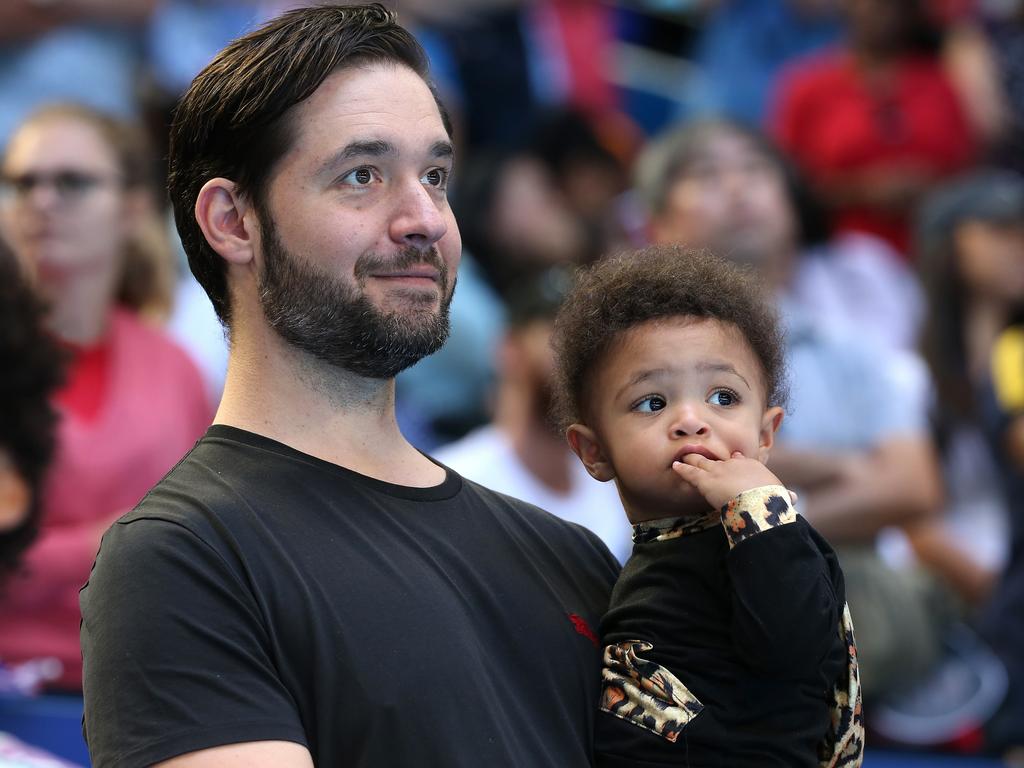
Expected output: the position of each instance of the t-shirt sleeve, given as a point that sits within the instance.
(785, 607)
(175, 650)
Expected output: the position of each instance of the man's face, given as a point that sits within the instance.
(359, 246)
(63, 205)
(731, 199)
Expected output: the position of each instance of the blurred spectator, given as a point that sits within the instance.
(73, 194)
(521, 453)
(971, 240)
(86, 51)
(447, 394)
(850, 284)
(854, 443)
(876, 123)
(744, 44)
(501, 62)
(971, 254)
(32, 366)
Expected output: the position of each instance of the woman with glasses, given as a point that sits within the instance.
(77, 208)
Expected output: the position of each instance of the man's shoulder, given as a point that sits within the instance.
(217, 478)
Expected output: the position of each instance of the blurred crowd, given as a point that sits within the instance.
(864, 157)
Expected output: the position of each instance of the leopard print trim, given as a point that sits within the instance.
(674, 527)
(843, 746)
(756, 511)
(645, 693)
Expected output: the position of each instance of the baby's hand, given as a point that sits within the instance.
(720, 481)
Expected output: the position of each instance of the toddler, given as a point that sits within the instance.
(728, 641)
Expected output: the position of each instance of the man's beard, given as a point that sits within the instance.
(335, 321)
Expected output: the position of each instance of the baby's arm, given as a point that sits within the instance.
(785, 607)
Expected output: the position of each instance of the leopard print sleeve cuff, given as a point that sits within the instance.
(756, 511)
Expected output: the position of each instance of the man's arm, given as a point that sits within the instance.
(175, 648)
(253, 754)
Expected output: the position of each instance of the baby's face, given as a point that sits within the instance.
(672, 387)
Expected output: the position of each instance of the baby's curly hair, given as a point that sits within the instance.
(656, 283)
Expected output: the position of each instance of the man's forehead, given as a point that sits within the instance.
(386, 105)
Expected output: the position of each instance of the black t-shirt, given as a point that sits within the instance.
(261, 593)
(751, 632)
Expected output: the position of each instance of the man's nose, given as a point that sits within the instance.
(688, 421)
(419, 219)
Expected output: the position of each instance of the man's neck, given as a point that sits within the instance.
(285, 394)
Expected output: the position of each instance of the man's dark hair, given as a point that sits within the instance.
(658, 283)
(32, 369)
(233, 121)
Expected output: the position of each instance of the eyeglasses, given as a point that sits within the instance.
(69, 186)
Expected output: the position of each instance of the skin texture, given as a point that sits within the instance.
(677, 418)
(328, 214)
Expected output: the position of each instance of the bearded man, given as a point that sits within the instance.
(305, 587)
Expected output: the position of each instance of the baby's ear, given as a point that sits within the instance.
(770, 423)
(585, 444)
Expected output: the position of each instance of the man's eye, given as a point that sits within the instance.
(723, 397)
(436, 177)
(650, 404)
(360, 177)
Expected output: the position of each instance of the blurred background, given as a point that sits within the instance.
(863, 156)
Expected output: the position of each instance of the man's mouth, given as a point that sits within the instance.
(421, 272)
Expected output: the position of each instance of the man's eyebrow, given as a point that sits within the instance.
(442, 149)
(358, 148)
(379, 148)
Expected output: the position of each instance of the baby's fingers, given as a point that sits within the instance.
(687, 471)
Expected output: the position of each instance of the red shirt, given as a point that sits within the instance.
(831, 122)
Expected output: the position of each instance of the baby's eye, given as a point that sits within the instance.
(723, 397)
(650, 404)
(360, 177)
(436, 177)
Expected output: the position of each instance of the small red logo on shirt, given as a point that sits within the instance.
(583, 628)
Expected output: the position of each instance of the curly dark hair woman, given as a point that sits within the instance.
(31, 363)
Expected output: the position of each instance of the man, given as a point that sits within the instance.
(305, 588)
(520, 452)
(855, 442)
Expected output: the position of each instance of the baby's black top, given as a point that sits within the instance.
(728, 643)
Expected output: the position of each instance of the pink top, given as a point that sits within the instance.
(154, 409)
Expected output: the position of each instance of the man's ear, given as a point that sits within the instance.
(585, 444)
(770, 423)
(227, 220)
